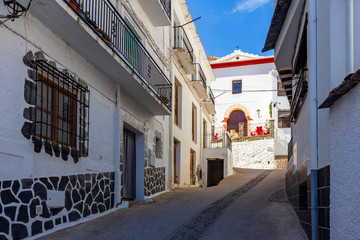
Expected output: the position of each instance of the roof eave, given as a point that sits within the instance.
(277, 22)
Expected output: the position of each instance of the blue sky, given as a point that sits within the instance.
(226, 24)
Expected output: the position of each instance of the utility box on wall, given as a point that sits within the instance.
(55, 199)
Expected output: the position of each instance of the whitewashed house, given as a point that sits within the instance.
(316, 45)
(251, 105)
(193, 101)
(86, 109)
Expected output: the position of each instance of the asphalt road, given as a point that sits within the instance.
(251, 204)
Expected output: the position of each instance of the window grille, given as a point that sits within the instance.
(62, 105)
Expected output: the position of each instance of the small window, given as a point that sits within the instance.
(237, 86)
(280, 88)
(158, 147)
(283, 119)
(61, 108)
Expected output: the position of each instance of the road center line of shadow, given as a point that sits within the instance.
(200, 223)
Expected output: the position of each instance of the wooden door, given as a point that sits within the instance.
(129, 190)
(235, 118)
(176, 179)
(215, 172)
(192, 177)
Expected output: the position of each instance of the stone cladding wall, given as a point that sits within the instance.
(85, 195)
(154, 180)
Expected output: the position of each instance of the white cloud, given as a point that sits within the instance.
(249, 5)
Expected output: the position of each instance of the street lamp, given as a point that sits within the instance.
(16, 8)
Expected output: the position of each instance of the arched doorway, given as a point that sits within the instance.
(235, 118)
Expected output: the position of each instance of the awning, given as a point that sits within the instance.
(277, 22)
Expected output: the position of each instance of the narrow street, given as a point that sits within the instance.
(251, 204)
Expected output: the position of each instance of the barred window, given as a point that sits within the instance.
(61, 108)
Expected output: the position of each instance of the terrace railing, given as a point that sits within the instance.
(218, 140)
(199, 75)
(182, 41)
(108, 24)
(167, 7)
(211, 95)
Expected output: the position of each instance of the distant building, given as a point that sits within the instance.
(249, 101)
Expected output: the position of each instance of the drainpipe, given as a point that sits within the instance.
(350, 36)
(313, 92)
(171, 123)
(117, 144)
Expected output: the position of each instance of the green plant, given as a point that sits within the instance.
(270, 110)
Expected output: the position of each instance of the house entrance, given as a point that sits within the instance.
(215, 171)
(129, 190)
(235, 118)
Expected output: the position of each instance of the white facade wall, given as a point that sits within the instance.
(17, 157)
(344, 168)
(344, 131)
(189, 96)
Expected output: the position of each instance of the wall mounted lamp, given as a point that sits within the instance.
(258, 113)
(16, 8)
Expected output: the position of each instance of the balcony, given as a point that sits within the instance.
(158, 11)
(183, 50)
(199, 81)
(97, 31)
(299, 96)
(209, 102)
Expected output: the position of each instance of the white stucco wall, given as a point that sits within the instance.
(345, 167)
(26, 162)
(188, 97)
(254, 154)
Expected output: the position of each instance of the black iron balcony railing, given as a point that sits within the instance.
(182, 41)
(290, 149)
(211, 95)
(108, 24)
(199, 75)
(299, 96)
(167, 7)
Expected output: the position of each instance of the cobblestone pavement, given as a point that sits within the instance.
(199, 224)
(238, 208)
